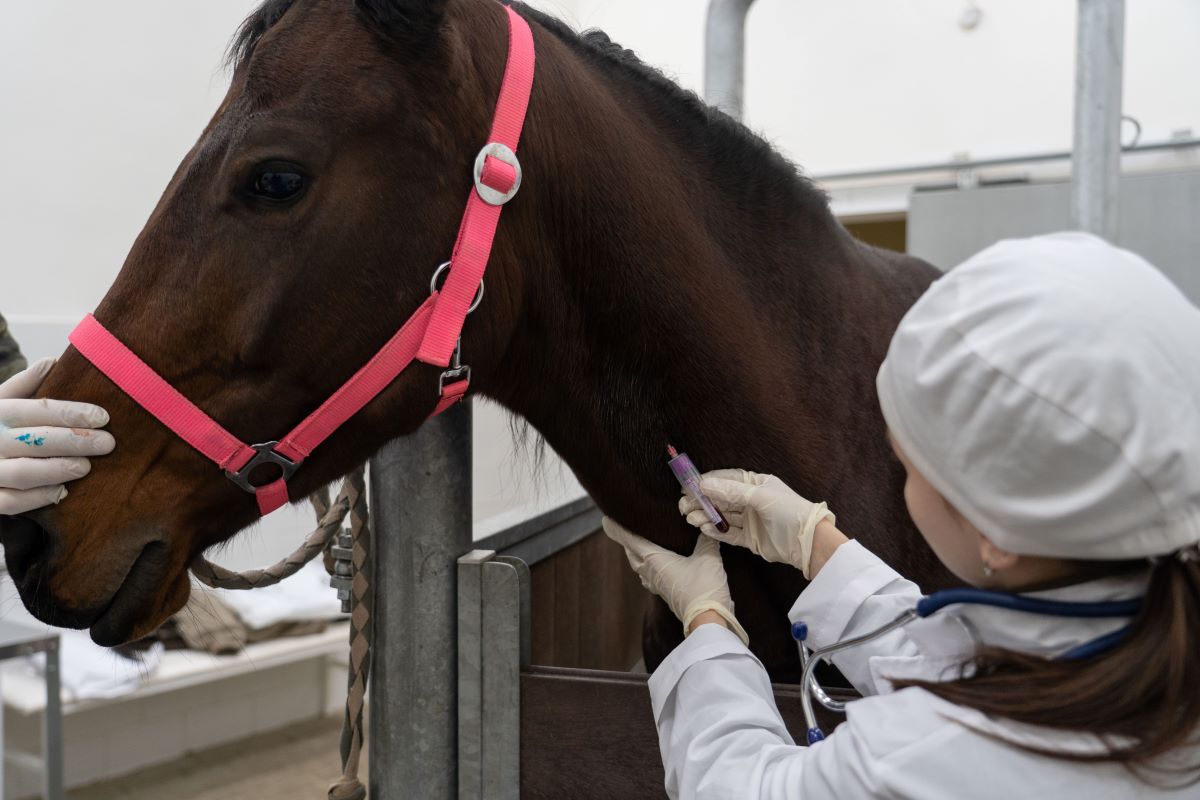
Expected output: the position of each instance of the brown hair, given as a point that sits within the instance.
(1141, 698)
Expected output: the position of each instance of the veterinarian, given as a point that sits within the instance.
(1044, 399)
(44, 444)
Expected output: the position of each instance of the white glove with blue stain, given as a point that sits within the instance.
(764, 515)
(691, 584)
(44, 443)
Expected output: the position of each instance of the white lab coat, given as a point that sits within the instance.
(721, 735)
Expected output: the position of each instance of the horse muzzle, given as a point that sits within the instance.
(116, 607)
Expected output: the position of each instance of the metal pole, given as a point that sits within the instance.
(725, 55)
(52, 733)
(421, 502)
(493, 646)
(1096, 164)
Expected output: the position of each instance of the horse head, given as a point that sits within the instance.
(296, 236)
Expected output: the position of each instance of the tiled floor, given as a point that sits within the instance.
(299, 762)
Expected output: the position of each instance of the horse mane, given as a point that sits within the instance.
(730, 142)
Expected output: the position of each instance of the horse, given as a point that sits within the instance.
(664, 275)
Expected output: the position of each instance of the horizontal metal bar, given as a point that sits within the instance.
(956, 166)
(556, 525)
(555, 538)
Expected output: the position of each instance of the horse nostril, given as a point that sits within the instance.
(25, 544)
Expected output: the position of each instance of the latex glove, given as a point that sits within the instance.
(44, 443)
(691, 584)
(764, 515)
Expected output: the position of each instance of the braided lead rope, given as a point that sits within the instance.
(352, 500)
(329, 522)
(348, 786)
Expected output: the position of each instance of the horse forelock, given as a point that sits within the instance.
(252, 30)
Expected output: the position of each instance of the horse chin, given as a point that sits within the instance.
(147, 597)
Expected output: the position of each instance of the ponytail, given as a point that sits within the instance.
(1142, 699)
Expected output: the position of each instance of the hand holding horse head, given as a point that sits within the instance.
(44, 443)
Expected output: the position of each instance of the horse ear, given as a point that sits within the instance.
(419, 17)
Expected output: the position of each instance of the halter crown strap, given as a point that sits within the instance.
(429, 335)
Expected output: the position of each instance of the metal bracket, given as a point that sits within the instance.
(342, 578)
(456, 371)
(265, 455)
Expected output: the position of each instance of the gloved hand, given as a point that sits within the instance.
(44, 443)
(691, 584)
(764, 515)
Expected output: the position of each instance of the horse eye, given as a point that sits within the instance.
(278, 183)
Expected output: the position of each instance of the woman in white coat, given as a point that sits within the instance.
(1044, 398)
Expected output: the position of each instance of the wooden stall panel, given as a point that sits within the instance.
(587, 607)
(589, 735)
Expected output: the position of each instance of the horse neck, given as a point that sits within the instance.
(669, 296)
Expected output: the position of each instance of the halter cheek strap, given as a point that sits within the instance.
(497, 179)
(431, 335)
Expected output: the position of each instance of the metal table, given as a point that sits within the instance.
(21, 640)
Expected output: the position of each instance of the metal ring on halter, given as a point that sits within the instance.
(500, 152)
(433, 286)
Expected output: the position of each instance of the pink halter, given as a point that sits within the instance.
(431, 335)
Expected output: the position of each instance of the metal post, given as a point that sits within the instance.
(1096, 164)
(52, 733)
(725, 55)
(493, 646)
(421, 502)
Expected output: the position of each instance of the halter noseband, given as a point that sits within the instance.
(431, 335)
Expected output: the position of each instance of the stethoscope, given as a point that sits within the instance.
(939, 600)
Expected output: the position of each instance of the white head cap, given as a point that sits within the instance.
(1049, 388)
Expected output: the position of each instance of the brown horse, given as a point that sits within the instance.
(664, 275)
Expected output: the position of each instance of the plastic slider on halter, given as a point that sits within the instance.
(265, 453)
(497, 174)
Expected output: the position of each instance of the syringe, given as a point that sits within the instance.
(689, 478)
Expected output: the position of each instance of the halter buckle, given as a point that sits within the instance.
(264, 454)
(500, 152)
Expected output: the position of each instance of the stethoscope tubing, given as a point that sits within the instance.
(935, 602)
(1032, 605)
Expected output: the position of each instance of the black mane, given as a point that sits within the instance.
(729, 141)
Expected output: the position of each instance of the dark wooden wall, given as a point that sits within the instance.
(591, 736)
(587, 607)
(891, 233)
